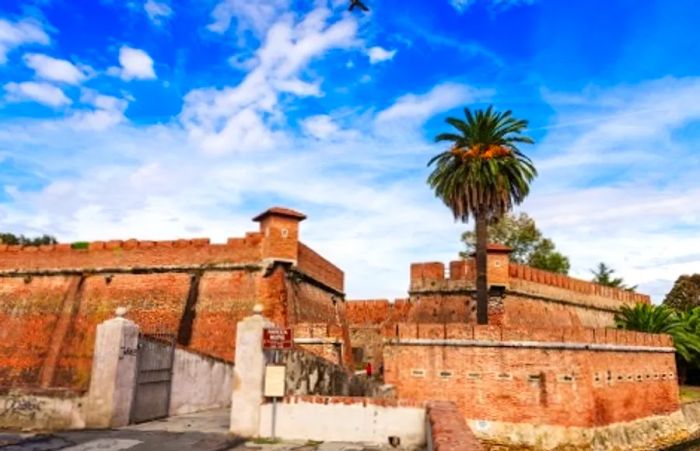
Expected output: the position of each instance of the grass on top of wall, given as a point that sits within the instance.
(690, 393)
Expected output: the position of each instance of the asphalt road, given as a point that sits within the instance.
(118, 440)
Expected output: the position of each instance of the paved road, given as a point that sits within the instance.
(118, 440)
(204, 431)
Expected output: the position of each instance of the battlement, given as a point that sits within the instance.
(368, 312)
(434, 276)
(277, 240)
(131, 253)
(487, 333)
(129, 244)
(528, 274)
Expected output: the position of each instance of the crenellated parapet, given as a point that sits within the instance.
(460, 277)
(527, 278)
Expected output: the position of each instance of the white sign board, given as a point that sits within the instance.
(274, 381)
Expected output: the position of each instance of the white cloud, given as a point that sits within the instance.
(252, 16)
(421, 107)
(378, 54)
(104, 113)
(157, 11)
(228, 120)
(15, 34)
(618, 179)
(44, 93)
(320, 127)
(54, 69)
(135, 64)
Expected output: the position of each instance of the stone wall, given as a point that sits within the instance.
(309, 374)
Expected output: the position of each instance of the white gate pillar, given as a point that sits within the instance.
(248, 375)
(113, 373)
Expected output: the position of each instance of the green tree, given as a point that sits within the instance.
(659, 319)
(521, 234)
(603, 275)
(685, 293)
(482, 175)
(10, 238)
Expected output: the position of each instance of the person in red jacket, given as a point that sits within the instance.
(368, 369)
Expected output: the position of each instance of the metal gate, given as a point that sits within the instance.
(154, 371)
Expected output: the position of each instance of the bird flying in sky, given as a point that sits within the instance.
(358, 4)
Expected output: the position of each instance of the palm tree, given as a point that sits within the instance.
(659, 319)
(482, 175)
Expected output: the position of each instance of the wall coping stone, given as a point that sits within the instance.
(527, 344)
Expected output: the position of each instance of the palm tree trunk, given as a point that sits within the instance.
(482, 296)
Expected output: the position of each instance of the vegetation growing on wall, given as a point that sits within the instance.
(21, 240)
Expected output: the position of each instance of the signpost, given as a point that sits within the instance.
(275, 339)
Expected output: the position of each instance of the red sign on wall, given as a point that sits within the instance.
(277, 338)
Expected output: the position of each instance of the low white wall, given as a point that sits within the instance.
(199, 383)
(337, 422)
(38, 412)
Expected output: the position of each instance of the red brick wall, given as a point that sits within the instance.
(48, 322)
(311, 304)
(368, 312)
(448, 430)
(567, 387)
(224, 299)
(538, 276)
(312, 264)
(330, 341)
(532, 296)
(130, 253)
(281, 238)
(154, 301)
(367, 318)
(520, 311)
(29, 311)
(442, 308)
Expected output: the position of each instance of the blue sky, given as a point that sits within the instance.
(162, 119)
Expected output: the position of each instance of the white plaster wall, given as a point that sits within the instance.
(345, 423)
(199, 383)
(22, 411)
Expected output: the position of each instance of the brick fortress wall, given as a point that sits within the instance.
(531, 297)
(565, 376)
(52, 297)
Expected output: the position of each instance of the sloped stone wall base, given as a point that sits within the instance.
(643, 434)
